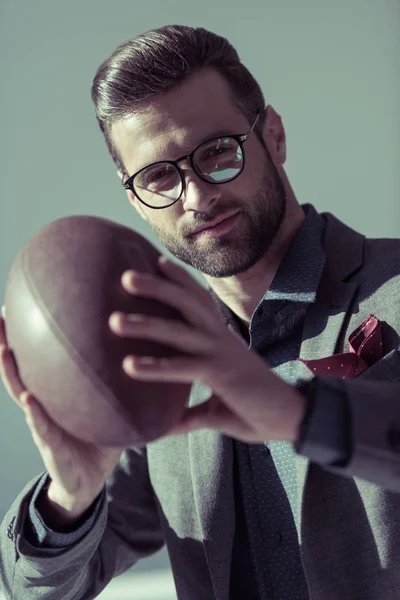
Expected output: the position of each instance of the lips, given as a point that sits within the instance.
(217, 221)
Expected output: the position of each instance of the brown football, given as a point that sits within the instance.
(62, 287)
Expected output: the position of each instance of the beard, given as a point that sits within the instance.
(236, 251)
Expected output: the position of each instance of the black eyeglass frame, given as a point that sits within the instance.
(240, 138)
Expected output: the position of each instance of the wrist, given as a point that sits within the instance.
(69, 507)
(307, 389)
(292, 425)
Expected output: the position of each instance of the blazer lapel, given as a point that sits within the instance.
(211, 463)
(326, 320)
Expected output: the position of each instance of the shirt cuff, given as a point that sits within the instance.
(45, 537)
(326, 431)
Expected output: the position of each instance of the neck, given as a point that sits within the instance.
(242, 293)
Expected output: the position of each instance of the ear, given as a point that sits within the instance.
(132, 199)
(136, 204)
(274, 136)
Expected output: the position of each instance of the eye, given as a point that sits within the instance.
(221, 150)
(217, 151)
(157, 176)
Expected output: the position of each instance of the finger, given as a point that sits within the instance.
(3, 338)
(174, 333)
(194, 306)
(211, 414)
(182, 276)
(192, 419)
(9, 374)
(46, 434)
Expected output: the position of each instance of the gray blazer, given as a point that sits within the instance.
(178, 490)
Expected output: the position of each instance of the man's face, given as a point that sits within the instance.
(173, 125)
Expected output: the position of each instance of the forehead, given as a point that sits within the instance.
(175, 122)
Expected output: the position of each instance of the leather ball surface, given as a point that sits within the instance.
(62, 287)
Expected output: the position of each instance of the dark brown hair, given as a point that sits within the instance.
(159, 60)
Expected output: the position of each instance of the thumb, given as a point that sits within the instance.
(211, 414)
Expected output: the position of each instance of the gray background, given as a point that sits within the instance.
(331, 69)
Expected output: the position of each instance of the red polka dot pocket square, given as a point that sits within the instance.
(365, 348)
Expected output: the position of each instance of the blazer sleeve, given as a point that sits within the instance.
(373, 401)
(39, 535)
(125, 528)
(325, 433)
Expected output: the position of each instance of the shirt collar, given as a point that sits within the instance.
(298, 276)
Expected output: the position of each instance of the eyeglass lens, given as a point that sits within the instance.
(217, 160)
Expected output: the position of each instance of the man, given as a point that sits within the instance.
(284, 481)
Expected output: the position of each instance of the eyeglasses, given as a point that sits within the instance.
(216, 161)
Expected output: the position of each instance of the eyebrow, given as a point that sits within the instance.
(187, 149)
(217, 133)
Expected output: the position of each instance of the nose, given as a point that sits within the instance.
(198, 194)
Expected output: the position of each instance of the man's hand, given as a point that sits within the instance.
(249, 402)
